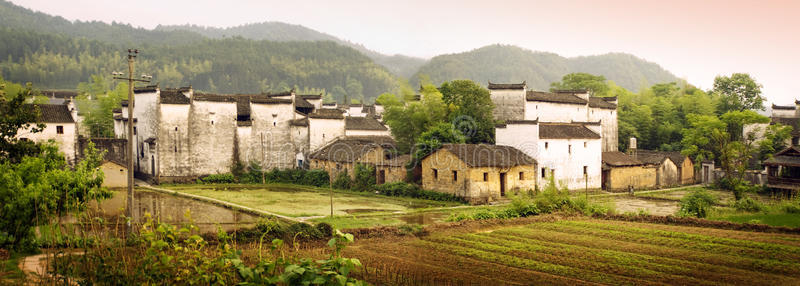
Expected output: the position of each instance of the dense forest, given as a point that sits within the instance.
(502, 63)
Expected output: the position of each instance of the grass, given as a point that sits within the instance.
(10, 274)
(585, 251)
(779, 219)
(305, 201)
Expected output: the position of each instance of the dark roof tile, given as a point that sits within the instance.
(483, 155)
(363, 123)
(789, 107)
(554, 97)
(299, 122)
(215, 97)
(52, 113)
(599, 102)
(619, 159)
(350, 149)
(506, 85)
(327, 113)
(566, 131)
(175, 95)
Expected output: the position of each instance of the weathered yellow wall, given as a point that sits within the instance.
(469, 182)
(330, 167)
(639, 177)
(667, 174)
(687, 172)
(116, 176)
(374, 157)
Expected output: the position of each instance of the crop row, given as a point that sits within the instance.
(644, 247)
(619, 265)
(772, 248)
(563, 266)
(607, 254)
(774, 238)
(500, 273)
(668, 242)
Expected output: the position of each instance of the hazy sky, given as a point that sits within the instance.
(695, 40)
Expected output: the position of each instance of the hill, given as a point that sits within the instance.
(503, 63)
(52, 52)
(404, 66)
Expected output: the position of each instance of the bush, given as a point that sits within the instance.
(342, 181)
(218, 179)
(325, 229)
(697, 204)
(365, 178)
(792, 209)
(403, 189)
(748, 204)
(317, 178)
(304, 230)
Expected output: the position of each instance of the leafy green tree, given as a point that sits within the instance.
(408, 121)
(355, 91)
(736, 120)
(703, 136)
(97, 105)
(16, 117)
(775, 137)
(738, 92)
(433, 139)
(596, 84)
(470, 110)
(364, 177)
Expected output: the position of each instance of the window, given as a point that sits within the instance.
(569, 149)
(134, 130)
(274, 123)
(300, 163)
(212, 122)
(485, 177)
(521, 176)
(338, 167)
(545, 145)
(455, 176)
(544, 172)
(176, 128)
(537, 107)
(585, 170)
(584, 144)
(435, 174)
(60, 129)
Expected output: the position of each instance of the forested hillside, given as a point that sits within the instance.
(502, 63)
(401, 65)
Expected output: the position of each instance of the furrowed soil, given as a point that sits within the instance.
(579, 251)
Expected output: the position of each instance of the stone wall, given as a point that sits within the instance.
(273, 122)
(212, 134)
(174, 143)
(509, 104)
(667, 174)
(639, 177)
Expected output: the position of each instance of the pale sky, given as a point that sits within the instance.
(695, 40)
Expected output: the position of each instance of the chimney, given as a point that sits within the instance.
(632, 147)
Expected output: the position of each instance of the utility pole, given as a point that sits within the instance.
(132, 53)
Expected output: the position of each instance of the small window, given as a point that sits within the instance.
(455, 176)
(274, 123)
(134, 130)
(60, 129)
(521, 176)
(569, 149)
(545, 145)
(485, 177)
(176, 128)
(435, 174)
(120, 170)
(537, 107)
(585, 170)
(212, 122)
(584, 144)
(544, 172)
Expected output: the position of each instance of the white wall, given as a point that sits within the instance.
(273, 122)
(212, 133)
(322, 131)
(555, 112)
(66, 142)
(608, 120)
(569, 166)
(509, 104)
(173, 144)
(367, 133)
(784, 113)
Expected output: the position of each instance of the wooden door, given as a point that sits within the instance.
(502, 184)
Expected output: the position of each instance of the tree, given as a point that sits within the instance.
(775, 137)
(595, 84)
(736, 120)
(703, 136)
(470, 110)
(355, 91)
(97, 103)
(433, 139)
(15, 117)
(738, 92)
(408, 121)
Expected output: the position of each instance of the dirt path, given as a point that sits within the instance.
(35, 268)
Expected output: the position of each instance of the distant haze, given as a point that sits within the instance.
(696, 40)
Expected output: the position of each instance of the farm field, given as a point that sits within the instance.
(304, 201)
(583, 251)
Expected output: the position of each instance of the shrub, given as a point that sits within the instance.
(403, 189)
(342, 181)
(325, 229)
(304, 230)
(792, 209)
(218, 179)
(413, 229)
(748, 204)
(317, 178)
(365, 178)
(697, 204)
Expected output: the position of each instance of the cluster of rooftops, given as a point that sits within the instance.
(558, 96)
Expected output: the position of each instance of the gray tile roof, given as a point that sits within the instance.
(175, 95)
(327, 113)
(619, 159)
(52, 113)
(350, 149)
(483, 155)
(566, 98)
(363, 123)
(566, 131)
(506, 85)
(599, 102)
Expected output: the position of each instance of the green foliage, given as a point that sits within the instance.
(342, 181)
(469, 110)
(697, 204)
(218, 179)
(739, 92)
(431, 140)
(97, 101)
(15, 118)
(595, 84)
(748, 204)
(408, 121)
(364, 178)
(37, 189)
(317, 178)
(403, 189)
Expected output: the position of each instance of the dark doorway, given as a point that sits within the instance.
(502, 184)
(381, 176)
(153, 165)
(604, 179)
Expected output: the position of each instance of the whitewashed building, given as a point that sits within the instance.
(59, 127)
(565, 131)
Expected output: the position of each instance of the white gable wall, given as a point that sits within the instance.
(568, 166)
(555, 112)
(322, 131)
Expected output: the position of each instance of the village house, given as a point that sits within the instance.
(59, 127)
(787, 115)
(342, 155)
(114, 166)
(564, 131)
(783, 170)
(477, 172)
(666, 169)
(622, 172)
